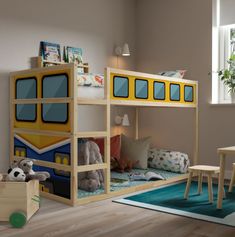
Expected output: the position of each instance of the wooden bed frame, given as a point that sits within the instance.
(73, 134)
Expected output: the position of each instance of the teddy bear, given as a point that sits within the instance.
(16, 175)
(27, 166)
(89, 153)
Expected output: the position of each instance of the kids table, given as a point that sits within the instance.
(222, 154)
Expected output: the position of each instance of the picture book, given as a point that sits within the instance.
(74, 55)
(148, 176)
(50, 51)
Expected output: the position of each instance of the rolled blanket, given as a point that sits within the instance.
(174, 161)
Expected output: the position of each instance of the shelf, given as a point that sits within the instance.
(61, 63)
(91, 134)
(150, 104)
(83, 101)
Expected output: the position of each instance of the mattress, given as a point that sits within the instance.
(90, 92)
(125, 175)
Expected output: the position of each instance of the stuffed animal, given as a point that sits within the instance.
(89, 153)
(16, 175)
(27, 166)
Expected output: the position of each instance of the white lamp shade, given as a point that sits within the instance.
(125, 50)
(125, 120)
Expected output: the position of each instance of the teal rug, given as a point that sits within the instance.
(170, 199)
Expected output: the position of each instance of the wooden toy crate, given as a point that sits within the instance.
(18, 201)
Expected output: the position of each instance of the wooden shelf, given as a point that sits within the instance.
(83, 101)
(91, 134)
(150, 104)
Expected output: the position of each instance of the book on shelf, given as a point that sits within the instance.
(148, 176)
(74, 55)
(50, 51)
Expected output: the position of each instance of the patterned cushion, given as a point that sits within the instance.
(168, 160)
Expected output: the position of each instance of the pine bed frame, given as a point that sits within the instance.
(109, 99)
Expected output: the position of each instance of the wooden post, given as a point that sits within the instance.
(136, 123)
(107, 138)
(195, 160)
(74, 143)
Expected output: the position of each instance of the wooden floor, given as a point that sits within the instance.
(110, 219)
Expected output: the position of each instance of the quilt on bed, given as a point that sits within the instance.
(89, 79)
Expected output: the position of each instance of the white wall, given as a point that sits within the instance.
(95, 26)
(177, 35)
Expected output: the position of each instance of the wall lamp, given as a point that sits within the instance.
(124, 121)
(123, 50)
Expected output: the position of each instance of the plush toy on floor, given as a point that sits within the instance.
(16, 175)
(27, 166)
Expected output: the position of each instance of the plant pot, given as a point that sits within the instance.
(232, 94)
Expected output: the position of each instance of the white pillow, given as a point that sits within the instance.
(135, 151)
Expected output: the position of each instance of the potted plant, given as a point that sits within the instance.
(228, 77)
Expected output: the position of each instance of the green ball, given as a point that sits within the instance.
(18, 219)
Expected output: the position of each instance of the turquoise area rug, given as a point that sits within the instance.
(170, 199)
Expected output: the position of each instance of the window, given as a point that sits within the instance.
(55, 86)
(120, 87)
(226, 50)
(174, 92)
(26, 88)
(141, 89)
(159, 90)
(188, 93)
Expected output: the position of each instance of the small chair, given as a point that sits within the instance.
(200, 170)
(232, 180)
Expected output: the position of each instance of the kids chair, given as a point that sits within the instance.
(200, 170)
(232, 179)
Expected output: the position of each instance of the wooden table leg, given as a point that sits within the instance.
(188, 185)
(200, 182)
(210, 188)
(221, 181)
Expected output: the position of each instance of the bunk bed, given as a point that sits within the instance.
(51, 140)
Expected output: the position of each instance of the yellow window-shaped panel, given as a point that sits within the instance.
(66, 161)
(58, 160)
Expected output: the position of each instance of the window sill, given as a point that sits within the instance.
(222, 104)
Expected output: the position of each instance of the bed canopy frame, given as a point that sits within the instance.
(121, 88)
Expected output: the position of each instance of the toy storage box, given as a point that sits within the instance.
(18, 197)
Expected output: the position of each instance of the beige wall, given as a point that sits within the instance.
(95, 26)
(177, 35)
